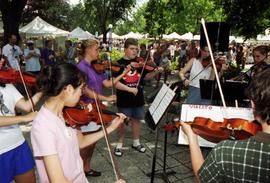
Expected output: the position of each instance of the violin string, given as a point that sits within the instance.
(213, 63)
(24, 85)
(111, 74)
(115, 167)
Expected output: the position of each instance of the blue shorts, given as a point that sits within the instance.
(15, 162)
(133, 112)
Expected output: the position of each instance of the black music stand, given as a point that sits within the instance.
(152, 117)
(232, 90)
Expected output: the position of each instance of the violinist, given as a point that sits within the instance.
(261, 61)
(195, 66)
(132, 104)
(56, 145)
(16, 159)
(90, 52)
(239, 160)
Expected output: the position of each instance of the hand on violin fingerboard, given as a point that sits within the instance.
(111, 98)
(188, 131)
(117, 121)
(186, 82)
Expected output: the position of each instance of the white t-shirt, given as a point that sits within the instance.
(10, 136)
(196, 68)
(50, 136)
(32, 64)
(12, 53)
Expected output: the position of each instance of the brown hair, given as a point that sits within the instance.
(259, 92)
(130, 41)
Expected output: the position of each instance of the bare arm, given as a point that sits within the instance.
(121, 86)
(25, 105)
(54, 169)
(86, 140)
(11, 120)
(184, 70)
(195, 150)
(91, 94)
(152, 74)
(108, 83)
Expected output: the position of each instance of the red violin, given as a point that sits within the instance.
(13, 76)
(84, 113)
(100, 66)
(139, 63)
(206, 62)
(215, 132)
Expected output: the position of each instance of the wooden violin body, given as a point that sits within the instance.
(234, 128)
(100, 66)
(13, 76)
(84, 113)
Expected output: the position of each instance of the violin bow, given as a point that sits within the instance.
(111, 73)
(144, 64)
(115, 166)
(213, 63)
(24, 85)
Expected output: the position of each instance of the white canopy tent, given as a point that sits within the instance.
(173, 35)
(261, 37)
(132, 35)
(187, 36)
(114, 36)
(80, 34)
(39, 27)
(197, 37)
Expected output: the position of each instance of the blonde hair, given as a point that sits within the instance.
(89, 43)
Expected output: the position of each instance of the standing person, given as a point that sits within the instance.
(56, 145)
(132, 104)
(69, 56)
(12, 52)
(47, 54)
(31, 56)
(90, 52)
(239, 160)
(195, 67)
(16, 159)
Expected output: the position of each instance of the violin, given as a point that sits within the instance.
(206, 62)
(100, 66)
(139, 63)
(234, 128)
(84, 113)
(13, 76)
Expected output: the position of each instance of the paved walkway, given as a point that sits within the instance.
(135, 166)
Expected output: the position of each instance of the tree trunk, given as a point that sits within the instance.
(104, 32)
(11, 15)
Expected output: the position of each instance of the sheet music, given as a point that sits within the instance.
(161, 103)
(159, 96)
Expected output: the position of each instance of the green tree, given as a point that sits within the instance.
(105, 12)
(135, 23)
(56, 12)
(11, 15)
(248, 18)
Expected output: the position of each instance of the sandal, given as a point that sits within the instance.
(139, 148)
(118, 152)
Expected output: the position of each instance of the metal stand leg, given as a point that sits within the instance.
(154, 158)
(164, 175)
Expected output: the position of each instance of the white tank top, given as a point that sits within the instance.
(195, 69)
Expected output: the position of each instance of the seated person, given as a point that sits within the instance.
(239, 160)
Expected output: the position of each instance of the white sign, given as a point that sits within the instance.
(216, 113)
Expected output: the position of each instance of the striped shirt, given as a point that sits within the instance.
(239, 161)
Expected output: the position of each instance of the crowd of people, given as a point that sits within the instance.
(62, 153)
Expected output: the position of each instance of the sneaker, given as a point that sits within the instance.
(139, 148)
(118, 152)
